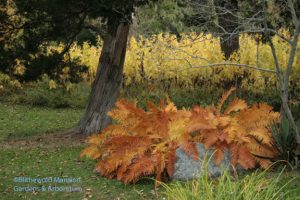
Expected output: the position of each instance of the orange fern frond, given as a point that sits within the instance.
(235, 105)
(245, 158)
(170, 162)
(219, 156)
(190, 149)
(224, 98)
(141, 167)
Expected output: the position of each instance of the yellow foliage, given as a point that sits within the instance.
(163, 57)
(52, 85)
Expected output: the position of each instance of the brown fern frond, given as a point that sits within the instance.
(224, 98)
(219, 156)
(170, 162)
(143, 166)
(190, 149)
(235, 105)
(245, 158)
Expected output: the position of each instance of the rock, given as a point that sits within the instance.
(187, 168)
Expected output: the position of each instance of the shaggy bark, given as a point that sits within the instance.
(106, 86)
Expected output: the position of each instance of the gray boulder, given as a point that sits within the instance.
(187, 168)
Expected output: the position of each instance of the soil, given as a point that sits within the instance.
(50, 140)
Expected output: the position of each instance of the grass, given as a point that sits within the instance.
(41, 159)
(258, 185)
(62, 162)
(19, 121)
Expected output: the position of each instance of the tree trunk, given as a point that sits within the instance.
(228, 22)
(106, 86)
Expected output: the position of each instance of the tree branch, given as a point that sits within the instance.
(221, 64)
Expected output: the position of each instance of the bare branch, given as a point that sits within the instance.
(220, 65)
(236, 65)
(293, 12)
(277, 65)
(278, 34)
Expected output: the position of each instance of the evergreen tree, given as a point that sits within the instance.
(62, 21)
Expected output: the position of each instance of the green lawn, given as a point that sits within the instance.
(23, 123)
(18, 121)
(62, 162)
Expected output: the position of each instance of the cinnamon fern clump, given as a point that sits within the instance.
(144, 143)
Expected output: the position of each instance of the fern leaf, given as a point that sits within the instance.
(262, 134)
(235, 105)
(199, 126)
(142, 167)
(245, 158)
(224, 98)
(94, 139)
(159, 168)
(264, 163)
(233, 149)
(210, 139)
(190, 149)
(170, 162)
(219, 156)
(91, 151)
